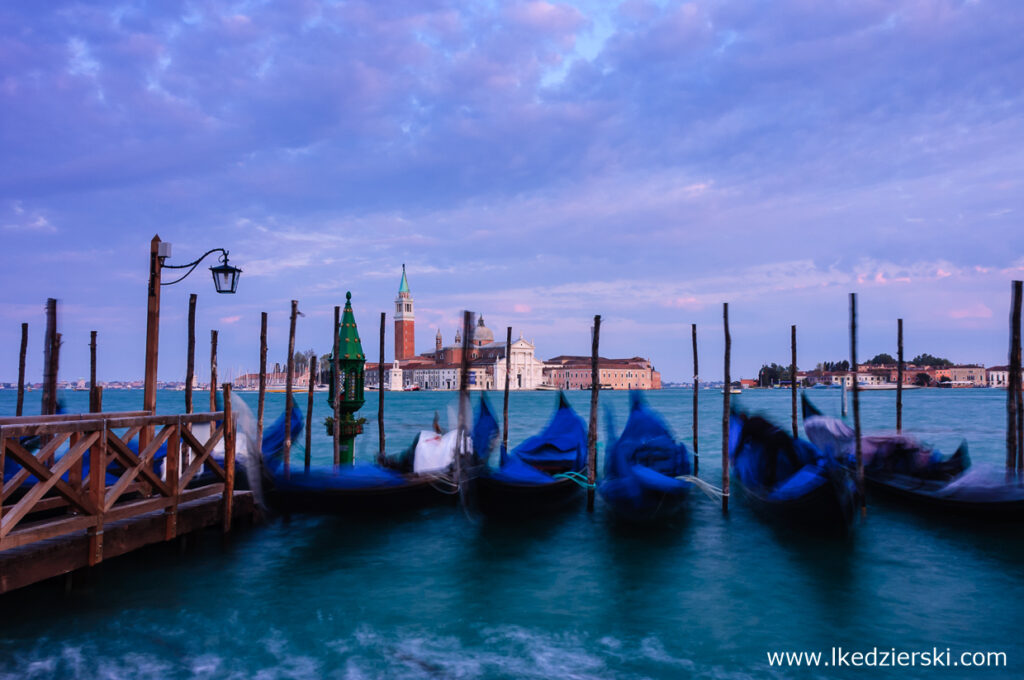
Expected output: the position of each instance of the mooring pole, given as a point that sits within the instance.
(262, 397)
(336, 387)
(508, 375)
(288, 401)
(21, 370)
(213, 371)
(49, 405)
(309, 411)
(1018, 382)
(156, 264)
(725, 410)
(696, 383)
(92, 372)
(792, 379)
(856, 400)
(1013, 389)
(899, 376)
(460, 447)
(843, 399)
(190, 359)
(229, 459)
(380, 394)
(595, 388)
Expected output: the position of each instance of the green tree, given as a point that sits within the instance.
(880, 360)
(772, 373)
(922, 380)
(929, 360)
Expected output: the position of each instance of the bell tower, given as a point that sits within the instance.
(405, 322)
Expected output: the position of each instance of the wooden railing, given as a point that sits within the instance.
(119, 484)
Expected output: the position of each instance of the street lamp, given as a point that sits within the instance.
(225, 280)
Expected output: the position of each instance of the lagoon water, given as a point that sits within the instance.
(440, 595)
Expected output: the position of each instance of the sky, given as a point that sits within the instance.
(537, 162)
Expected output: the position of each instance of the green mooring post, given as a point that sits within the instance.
(351, 366)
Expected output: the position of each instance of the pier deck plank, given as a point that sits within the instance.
(44, 559)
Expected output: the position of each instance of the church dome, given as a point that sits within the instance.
(482, 335)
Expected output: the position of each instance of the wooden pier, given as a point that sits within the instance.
(100, 499)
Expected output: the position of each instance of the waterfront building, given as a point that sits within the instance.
(569, 372)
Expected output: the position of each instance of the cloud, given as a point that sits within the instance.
(646, 160)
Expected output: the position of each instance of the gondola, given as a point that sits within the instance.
(642, 467)
(538, 476)
(790, 479)
(902, 467)
(358, 488)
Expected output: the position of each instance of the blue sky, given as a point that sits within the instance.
(537, 162)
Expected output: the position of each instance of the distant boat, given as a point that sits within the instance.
(880, 387)
(733, 390)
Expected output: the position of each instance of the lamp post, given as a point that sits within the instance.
(225, 280)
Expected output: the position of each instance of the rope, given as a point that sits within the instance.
(577, 477)
(444, 484)
(712, 492)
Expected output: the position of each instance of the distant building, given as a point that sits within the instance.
(569, 372)
(526, 371)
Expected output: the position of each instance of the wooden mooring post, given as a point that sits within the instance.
(696, 386)
(229, 460)
(336, 387)
(380, 393)
(595, 389)
(792, 380)
(464, 367)
(21, 370)
(1014, 407)
(261, 399)
(856, 401)
(92, 372)
(51, 346)
(508, 375)
(190, 357)
(899, 376)
(309, 412)
(725, 410)
(213, 370)
(288, 401)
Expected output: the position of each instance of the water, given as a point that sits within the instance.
(436, 595)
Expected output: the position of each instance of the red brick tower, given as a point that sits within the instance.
(405, 322)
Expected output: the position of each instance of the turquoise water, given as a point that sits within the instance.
(439, 595)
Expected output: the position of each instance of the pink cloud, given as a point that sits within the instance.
(976, 311)
(522, 309)
(230, 319)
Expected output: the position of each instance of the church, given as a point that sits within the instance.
(440, 369)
